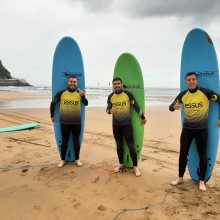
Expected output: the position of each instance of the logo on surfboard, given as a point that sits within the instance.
(207, 73)
(67, 73)
(133, 86)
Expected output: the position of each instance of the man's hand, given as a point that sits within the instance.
(178, 105)
(81, 93)
(143, 121)
(53, 119)
(113, 110)
(218, 123)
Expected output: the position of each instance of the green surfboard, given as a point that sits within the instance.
(129, 70)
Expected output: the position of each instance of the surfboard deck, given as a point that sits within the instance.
(20, 127)
(67, 61)
(198, 55)
(129, 70)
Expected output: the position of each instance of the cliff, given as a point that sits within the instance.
(7, 80)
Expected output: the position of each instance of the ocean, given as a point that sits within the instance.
(97, 96)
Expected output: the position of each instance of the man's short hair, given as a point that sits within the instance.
(190, 74)
(72, 76)
(117, 79)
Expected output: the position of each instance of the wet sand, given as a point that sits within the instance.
(32, 187)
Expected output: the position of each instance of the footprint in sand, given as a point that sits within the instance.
(209, 213)
(35, 207)
(112, 179)
(96, 180)
(76, 205)
(37, 155)
(101, 208)
(9, 146)
(24, 170)
(156, 170)
(73, 200)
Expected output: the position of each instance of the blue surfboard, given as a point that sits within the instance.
(67, 61)
(198, 55)
(20, 127)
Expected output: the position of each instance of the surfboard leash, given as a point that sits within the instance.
(26, 167)
(168, 191)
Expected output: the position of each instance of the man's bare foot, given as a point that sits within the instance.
(61, 163)
(118, 167)
(202, 186)
(177, 182)
(137, 172)
(78, 163)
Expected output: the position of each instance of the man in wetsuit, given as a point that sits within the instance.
(70, 116)
(119, 104)
(196, 106)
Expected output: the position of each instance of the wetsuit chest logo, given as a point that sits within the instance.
(119, 103)
(194, 105)
(70, 102)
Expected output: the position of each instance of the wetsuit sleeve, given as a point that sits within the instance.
(53, 103)
(211, 95)
(109, 104)
(135, 105)
(84, 100)
(179, 99)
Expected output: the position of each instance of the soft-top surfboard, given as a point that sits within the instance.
(198, 55)
(129, 70)
(67, 61)
(20, 127)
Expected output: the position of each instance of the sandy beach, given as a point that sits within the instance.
(33, 187)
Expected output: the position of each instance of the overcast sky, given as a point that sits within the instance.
(152, 30)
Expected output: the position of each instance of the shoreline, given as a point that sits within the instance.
(41, 98)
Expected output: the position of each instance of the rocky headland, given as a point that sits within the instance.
(6, 78)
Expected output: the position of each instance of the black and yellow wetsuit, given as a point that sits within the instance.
(195, 125)
(70, 118)
(122, 127)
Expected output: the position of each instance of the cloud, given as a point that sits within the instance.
(93, 6)
(184, 8)
(198, 9)
(154, 31)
